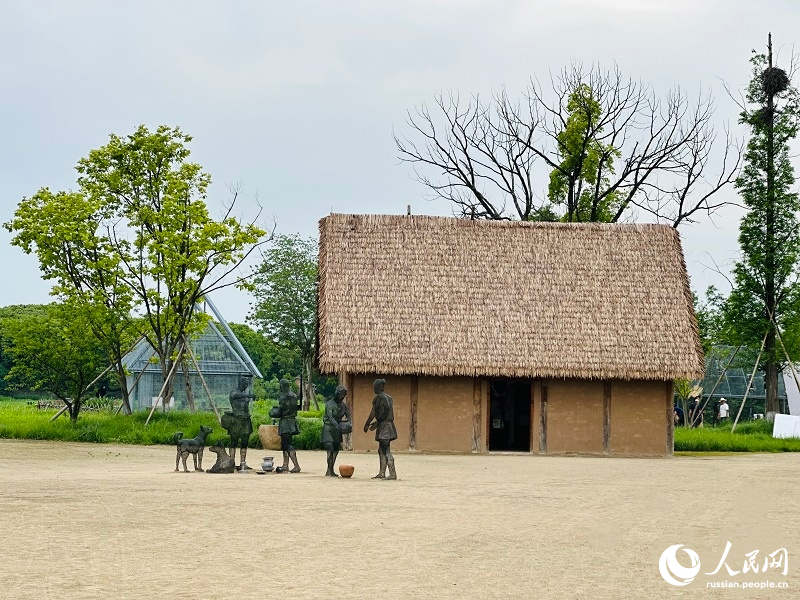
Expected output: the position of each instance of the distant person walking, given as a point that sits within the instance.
(695, 414)
(678, 416)
(724, 410)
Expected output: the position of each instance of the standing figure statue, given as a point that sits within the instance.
(237, 422)
(385, 431)
(337, 418)
(287, 426)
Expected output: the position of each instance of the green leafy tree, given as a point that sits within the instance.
(766, 294)
(791, 338)
(10, 314)
(285, 308)
(275, 362)
(258, 347)
(53, 350)
(64, 230)
(711, 321)
(271, 359)
(152, 245)
(581, 181)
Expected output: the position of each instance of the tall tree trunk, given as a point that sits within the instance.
(188, 383)
(126, 399)
(74, 410)
(166, 396)
(309, 394)
(122, 378)
(168, 378)
(771, 372)
(771, 383)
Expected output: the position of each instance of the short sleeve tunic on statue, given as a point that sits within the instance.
(287, 404)
(331, 434)
(383, 409)
(239, 424)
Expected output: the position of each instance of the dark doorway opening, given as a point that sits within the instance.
(510, 415)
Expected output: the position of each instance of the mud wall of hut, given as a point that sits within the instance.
(641, 417)
(441, 410)
(450, 414)
(631, 418)
(574, 416)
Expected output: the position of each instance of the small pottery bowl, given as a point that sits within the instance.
(346, 470)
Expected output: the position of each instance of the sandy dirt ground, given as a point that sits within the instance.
(103, 521)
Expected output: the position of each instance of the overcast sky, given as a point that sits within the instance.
(297, 101)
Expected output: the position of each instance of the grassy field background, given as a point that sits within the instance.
(750, 436)
(21, 419)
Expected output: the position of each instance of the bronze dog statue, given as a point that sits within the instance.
(193, 446)
(224, 462)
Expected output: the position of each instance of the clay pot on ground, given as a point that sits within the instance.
(346, 470)
(270, 439)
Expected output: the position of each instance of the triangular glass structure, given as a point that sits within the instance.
(219, 354)
(733, 384)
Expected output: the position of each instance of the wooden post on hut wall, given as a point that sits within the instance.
(534, 426)
(606, 417)
(346, 379)
(670, 446)
(543, 418)
(486, 414)
(477, 404)
(412, 423)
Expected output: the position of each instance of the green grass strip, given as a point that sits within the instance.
(752, 436)
(22, 420)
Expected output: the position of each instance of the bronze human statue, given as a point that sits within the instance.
(336, 421)
(287, 426)
(385, 431)
(237, 422)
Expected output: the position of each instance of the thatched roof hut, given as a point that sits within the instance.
(447, 297)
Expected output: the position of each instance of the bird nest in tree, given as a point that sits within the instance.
(774, 80)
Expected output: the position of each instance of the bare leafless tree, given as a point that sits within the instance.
(619, 148)
(484, 156)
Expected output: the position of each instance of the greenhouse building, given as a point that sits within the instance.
(219, 355)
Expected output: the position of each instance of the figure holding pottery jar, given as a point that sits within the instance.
(335, 423)
(286, 411)
(385, 431)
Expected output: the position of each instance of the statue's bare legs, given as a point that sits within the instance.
(386, 460)
(333, 452)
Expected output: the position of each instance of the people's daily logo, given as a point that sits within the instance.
(674, 572)
(769, 565)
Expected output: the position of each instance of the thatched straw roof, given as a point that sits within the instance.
(445, 296)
